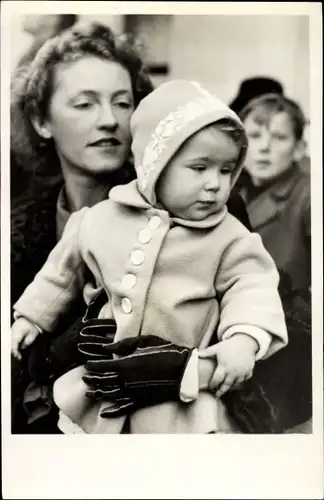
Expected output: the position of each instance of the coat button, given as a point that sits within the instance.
(144, 236)
(137, 257)
(129, 281)
(126, 305)
(155, 222)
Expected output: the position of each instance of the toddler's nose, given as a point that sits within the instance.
(212, 181)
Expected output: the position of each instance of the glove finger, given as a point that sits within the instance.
(96, 349)
(123, 347)
(96, 326)
(109, 394)
(102, 366)
(128, 345)
(96, 304)
(108, 379)
(96, 339)
(151, 341)
(118, 408)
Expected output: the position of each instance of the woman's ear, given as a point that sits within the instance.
(42, 127)
(300, 150)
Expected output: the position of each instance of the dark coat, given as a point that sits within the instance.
(281, 215)
(279, 395)
(33, 236)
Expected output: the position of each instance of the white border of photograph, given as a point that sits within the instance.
(214, 466)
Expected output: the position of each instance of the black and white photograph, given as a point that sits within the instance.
(161, 249)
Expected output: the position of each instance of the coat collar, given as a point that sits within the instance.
(270, 202)
(130, 196)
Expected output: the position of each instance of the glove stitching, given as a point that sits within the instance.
(153, 382)
(154, 347)
(136, 354)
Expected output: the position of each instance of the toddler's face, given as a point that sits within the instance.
(197, 181)
(272, 147)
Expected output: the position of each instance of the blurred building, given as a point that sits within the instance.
(218, 50)
(222, 50)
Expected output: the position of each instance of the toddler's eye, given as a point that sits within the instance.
(198, 168)
(227, 169)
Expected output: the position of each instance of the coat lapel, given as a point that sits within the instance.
(262, 210)
(269, 204)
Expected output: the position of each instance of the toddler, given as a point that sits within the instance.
(172, 260)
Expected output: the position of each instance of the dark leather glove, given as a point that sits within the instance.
(149, 372)
(93, 337)
(48, 358)
(95, 331)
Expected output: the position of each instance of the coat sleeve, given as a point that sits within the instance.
(58, 282)
(247, 286)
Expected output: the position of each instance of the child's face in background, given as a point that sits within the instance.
(197, 181)
(272, 147)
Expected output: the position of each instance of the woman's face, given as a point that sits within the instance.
(89, 115)
(272, 147)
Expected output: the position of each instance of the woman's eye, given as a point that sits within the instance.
(82, 105)
(123, 104)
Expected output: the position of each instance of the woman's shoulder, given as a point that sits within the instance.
(38, 202)
(33, 234)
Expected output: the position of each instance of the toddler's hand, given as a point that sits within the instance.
(23, 334)
(235, 361)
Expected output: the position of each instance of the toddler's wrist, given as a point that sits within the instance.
(246, 341)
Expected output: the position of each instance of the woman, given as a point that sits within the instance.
(41, 27)
(77, 99)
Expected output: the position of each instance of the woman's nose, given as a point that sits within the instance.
(107, 118)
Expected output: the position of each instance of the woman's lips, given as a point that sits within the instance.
(105, 143)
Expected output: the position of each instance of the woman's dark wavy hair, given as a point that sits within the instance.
(32, 88)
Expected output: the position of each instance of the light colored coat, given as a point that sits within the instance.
(174, 278)
(191, 280)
